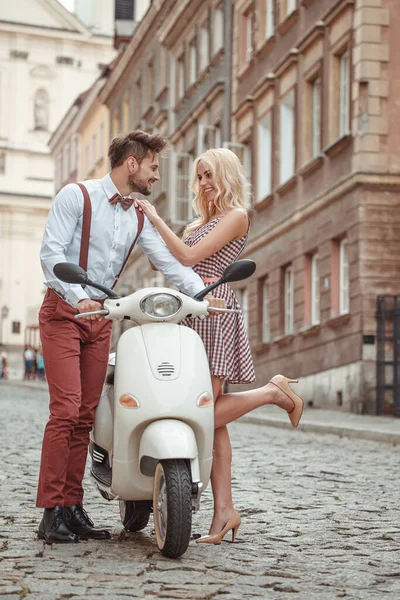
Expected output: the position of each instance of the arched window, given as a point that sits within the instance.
(41, 110)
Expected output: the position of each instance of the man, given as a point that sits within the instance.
(76, 350)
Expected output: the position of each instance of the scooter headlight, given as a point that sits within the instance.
(161, 305)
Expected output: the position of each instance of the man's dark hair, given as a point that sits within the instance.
(135, 143)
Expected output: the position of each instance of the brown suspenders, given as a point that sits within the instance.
(140, 217)
(87, 217)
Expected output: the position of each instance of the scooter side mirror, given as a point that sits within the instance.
(237, 271)
(70, 273)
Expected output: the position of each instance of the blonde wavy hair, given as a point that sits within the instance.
(229, 181)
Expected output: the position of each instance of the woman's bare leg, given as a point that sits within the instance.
(231, 406)
(221, 471)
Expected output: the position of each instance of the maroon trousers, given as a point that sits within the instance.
(75, 353)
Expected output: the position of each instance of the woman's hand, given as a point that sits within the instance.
(147, 208)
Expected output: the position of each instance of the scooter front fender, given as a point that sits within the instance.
(168, 439)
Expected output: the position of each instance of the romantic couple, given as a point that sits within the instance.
(76, 351)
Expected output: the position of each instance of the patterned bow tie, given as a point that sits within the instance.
(125, 202)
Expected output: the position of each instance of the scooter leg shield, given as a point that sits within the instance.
(165, 439)
(102, 433)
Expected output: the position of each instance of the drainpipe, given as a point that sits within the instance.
(228, 62)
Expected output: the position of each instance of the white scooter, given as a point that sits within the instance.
(152, 439)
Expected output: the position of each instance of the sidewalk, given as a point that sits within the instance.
(316, 420)
(335, 422)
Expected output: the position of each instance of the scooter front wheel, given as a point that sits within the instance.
(172, 506)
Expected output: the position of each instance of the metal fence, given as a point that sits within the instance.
(388, 355)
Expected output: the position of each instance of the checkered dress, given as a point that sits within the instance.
(224, 336)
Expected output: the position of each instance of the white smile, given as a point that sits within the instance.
(209, 190)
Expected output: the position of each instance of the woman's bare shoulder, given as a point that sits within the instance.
(239, 219)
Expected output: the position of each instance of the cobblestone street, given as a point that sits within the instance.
(320, 519)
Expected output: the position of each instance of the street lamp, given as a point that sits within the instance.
(3, 315)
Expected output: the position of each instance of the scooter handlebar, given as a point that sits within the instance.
(222, 310)
(102, 311)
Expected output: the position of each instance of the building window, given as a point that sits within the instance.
(287, 137)
(150, 84)
(41, 110)
(243, 153)
(16, 327)
(344, 93)
(269, 18)
(180, 77)
(2, 163)
(209, 136)
(315, 293)
(94, 150)
(101, 141)
(204, 46)
(138, 100)
(116, 127)
(316, 117)
(157, 279)
(86, 160)
(246, 36)
(58, 173)
(125, 113)
(65, 173)
(73, 153)
(218, 29)
(243, 299)
(180, 194)
(343, 278)
(288, 300)
(162, 70)
(265, 322)
(192, 61)
(264, 178)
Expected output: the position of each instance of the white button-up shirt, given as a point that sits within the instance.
(112, 232)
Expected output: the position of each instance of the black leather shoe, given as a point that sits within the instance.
(53, 529)
(80, 524)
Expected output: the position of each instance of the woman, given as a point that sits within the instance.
(210, 243)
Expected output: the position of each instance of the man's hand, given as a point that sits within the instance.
(215, 302)
(88, 305)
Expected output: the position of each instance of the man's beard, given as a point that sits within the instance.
(138, 185)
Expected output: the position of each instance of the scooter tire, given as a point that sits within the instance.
(172, 506)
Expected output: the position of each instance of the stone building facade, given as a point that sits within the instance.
(315, 92)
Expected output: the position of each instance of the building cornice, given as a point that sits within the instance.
(336, 10)
(245, 105)
(62, 34)
(178, 20)
(116, 79)
(320, 202)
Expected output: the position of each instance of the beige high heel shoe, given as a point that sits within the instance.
(282, 383)
(232, 525)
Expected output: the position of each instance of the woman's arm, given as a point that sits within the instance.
(233, 225)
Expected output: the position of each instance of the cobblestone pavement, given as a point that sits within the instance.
(320, 519)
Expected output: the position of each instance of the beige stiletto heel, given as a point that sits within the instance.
(282, 383)
(232, 524)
